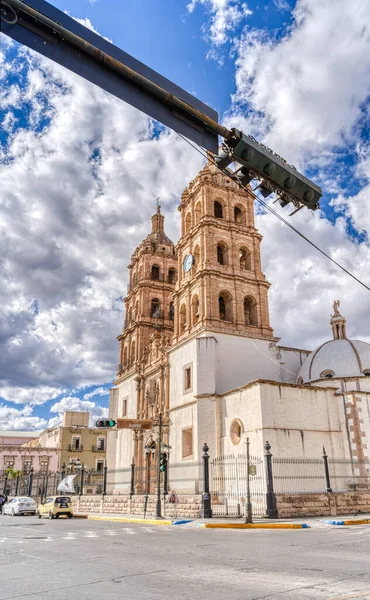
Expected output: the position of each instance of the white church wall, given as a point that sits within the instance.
(291, 360)
(240, 360)
(184, 478)
(126, 392)
(298, 421)
(181, 357)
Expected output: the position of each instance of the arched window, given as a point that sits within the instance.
(239, 214)
(187, 223)
(125, 356)
(154, 307)
(197, 213)
(245, 259)
(195, 309)
(225, 307)
(196, 254)
(155, 273)
(250, 311)
(222, 257)
(327, 374)
(366, 372)
(130, 315)
(137, 309)
(171, 312)
(182, 320)
(171, 275)
(133, 351)
(300, 380)
(219, 213)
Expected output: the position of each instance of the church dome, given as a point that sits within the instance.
(339, 357)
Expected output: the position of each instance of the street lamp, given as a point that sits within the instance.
(248, 504)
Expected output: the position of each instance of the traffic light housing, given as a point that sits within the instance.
(107, 423)
(274, 173)
(163, 462)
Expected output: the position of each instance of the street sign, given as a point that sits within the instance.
(134, 424)
(252, 470)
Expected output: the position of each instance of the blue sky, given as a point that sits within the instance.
(76, 203)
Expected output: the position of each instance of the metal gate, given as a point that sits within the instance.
(228, 484)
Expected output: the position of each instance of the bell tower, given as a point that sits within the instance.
(149, 307)
(220, 284)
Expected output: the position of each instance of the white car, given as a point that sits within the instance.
(21, 505)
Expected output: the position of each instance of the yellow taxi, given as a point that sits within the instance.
(54, 506)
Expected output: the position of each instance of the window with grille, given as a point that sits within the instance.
(27, 464)
(44, 466)
(101, 443)
(187, 442)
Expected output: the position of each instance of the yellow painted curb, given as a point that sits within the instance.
(252, 526)
(128, 520)
(357, 522)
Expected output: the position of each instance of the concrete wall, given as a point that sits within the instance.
(321, 505)
(185, 506)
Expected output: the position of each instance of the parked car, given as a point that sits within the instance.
(54, 506)
(21, 505)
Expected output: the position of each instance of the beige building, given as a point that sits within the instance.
(76, 441)
(197, 346)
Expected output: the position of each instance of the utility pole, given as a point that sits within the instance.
(158, 506)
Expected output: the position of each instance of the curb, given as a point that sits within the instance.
(80, 516)
(349, 522)
(253, 525)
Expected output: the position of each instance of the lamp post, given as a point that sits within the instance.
(248, 505)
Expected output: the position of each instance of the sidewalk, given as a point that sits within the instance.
(234, 523)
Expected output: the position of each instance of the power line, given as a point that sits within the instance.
(265, 205)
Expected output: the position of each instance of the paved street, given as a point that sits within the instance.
(90, 560)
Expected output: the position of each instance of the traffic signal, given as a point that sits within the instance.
(105, 423)
(163, 462)
(273, 172)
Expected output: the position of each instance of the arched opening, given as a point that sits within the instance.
(236, 431)
(130, 315)
(222, 257)
(300, 380)
(197, 213)
(196, 254)
(155, 273)
(218, 210)
(239, 214)
(187, 223)
(133, 353)
(245, 259)
(182, 319)
(366, 372)
(195, 309)
(171, 275)
(154, 307)
(137, 310)
(225, 307)
(250, 311)
(327, 374)
(125, 356)
(171, 312)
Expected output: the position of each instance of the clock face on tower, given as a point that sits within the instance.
(188, 262)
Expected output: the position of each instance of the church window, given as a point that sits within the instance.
(187, 442)
(124, 407)
(171, 275)
(236, 431)
(187, 378)
(182, 320)
(133, 352)
(218, 210)
(300, 380)
(197, 213)
(239, 214)
(154, 307)
(222, 257)
(195, 309)
(327, 374)
(187, 223)
(155, 273)
(250, 311)
(245, 259)
(225, 306)
(196, 254)
(171, 312)
(366, 372)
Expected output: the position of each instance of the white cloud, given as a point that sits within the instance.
(76, 201)
(101, 391)
(226, 16)
(20, 420)
(71, 403)
(307, 90)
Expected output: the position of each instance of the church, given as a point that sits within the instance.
(197, 347)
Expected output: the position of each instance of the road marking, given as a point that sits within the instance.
(364, 595)
(128, 530)
(110, 532)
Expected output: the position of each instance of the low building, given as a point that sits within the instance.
(21, 451)
(76, 442)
